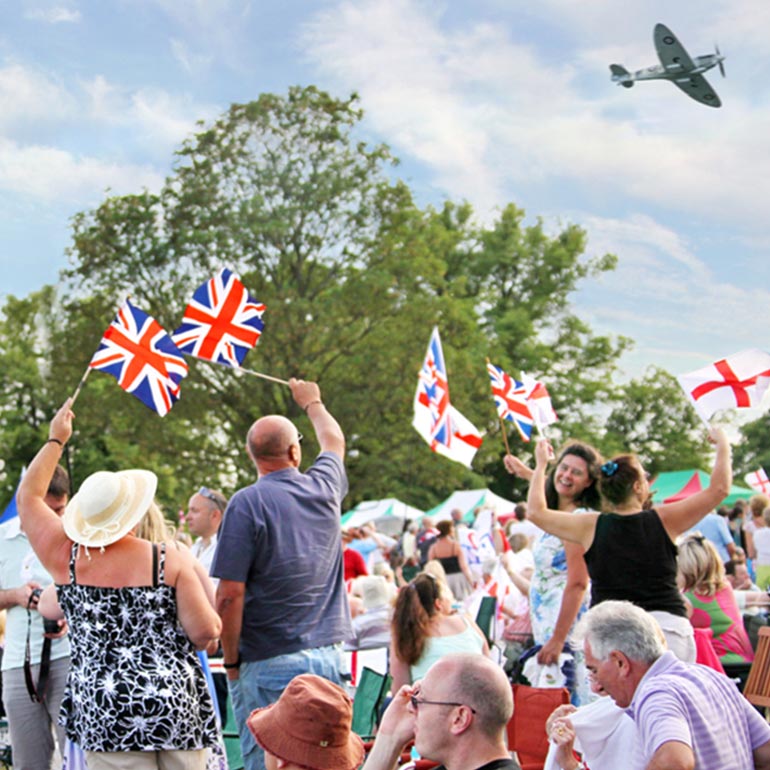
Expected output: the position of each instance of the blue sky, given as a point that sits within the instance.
(486, 100)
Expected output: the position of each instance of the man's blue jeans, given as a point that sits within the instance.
(261, 683)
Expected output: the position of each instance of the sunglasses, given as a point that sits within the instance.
(417, 702)
(213, 496)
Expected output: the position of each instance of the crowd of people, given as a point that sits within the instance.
(594, 589)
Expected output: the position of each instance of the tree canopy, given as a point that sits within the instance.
(354, 274)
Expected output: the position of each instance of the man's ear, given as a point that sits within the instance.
(462, 720)
(620, 660)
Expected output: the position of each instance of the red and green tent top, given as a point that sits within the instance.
(676, 485)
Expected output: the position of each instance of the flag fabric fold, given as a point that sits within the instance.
(510, 397)
(758, 481)
(222, 322)
(443, 427)
(539, 402)
(138, 352)
(736, 382)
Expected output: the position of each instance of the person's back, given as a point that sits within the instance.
(719, 728)
(127, 647)
(285, 530)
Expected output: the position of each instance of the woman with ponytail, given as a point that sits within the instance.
(424, 629)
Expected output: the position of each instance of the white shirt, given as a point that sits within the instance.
(205, 554)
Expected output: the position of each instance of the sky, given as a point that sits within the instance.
(490, 101)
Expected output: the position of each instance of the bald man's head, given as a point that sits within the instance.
(273, 438)
(477, 681)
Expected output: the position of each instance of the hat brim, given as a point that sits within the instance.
(275, 739)
(142, 486)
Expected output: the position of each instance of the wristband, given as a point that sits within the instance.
(317, 401)
(55, 441)
(228, 666)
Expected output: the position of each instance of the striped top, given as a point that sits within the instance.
(699, 707)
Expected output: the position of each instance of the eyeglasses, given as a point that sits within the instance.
(417, 702)
(299, 437)
(215, 497)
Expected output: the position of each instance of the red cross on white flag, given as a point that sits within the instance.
(758, 481)
(735, 382)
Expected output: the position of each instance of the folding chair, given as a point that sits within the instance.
(485, 617)
(232, 739)
(370, 695)
(757, 687)
(526, 730)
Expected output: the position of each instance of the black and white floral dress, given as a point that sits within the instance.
(135, 682)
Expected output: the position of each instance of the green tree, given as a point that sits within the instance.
(654, 420)
(25, 382)
(354, 275)
(753, 450)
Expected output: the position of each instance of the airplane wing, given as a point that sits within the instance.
(671, 52)
(697, 87)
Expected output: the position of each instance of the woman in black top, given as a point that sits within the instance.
(630, 550)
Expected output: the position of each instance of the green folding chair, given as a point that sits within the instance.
(485, 617)
(231, 739)
(370, 696)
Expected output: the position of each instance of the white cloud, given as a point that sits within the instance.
(54, 15)
(488, 115)
(52, 174)
(666, 298)
(29, 96)
(191, 62)
(160, 118)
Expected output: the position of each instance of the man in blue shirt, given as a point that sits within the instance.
(714, 528)
(281, 593)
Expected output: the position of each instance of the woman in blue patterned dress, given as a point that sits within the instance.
(558, 588)
(136, 696)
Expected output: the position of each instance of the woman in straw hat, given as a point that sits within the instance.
(136, 696)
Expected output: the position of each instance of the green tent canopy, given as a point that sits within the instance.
(677, 485)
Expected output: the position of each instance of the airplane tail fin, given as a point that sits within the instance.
(621, 76)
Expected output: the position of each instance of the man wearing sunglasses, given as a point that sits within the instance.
(281, 593)
(204, 515)
(457, 715)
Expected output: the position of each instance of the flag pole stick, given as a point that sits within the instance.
(239, 369)
(80, 384)
(263, 376)
(505, 435)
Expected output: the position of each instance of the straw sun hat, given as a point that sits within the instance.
(309, 725)
(108, 506)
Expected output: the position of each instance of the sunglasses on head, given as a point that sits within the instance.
(213, 496)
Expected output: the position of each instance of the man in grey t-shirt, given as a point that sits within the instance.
(281, 593)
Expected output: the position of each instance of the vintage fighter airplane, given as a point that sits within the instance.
(676, 66)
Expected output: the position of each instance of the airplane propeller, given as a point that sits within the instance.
(721, 66)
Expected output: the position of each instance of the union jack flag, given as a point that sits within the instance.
(433, 392)
(222, 322)
(447, 431)
(511, 400)
(137, 351)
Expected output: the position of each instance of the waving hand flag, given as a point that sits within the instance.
(222, 322)
(758, 481)
(139, 354)
(447, 431)
(539, 402)
(735, 382)
(510, 400)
